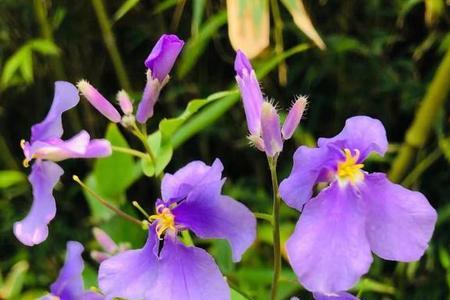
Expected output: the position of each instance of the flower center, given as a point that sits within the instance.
(349, 169)
(165, 219)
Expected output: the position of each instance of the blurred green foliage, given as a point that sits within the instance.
(379, 61)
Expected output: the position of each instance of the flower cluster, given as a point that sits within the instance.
(165, 268)
(262, 118)
(46, 147)
(159, 63)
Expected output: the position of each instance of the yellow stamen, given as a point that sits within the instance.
(26, 163)
(349, 169)
(22, 144)
(165, 218)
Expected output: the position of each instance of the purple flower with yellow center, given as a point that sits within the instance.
(263, 120)
(159, 63)
(69, 284)
(167, 269)
(46, 147)
(358, 212)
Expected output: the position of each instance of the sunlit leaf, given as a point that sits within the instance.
(249, 25)
(163, 155)
(9, 178)
(44, 46)
(14, 281)
(303, 21)
(198, 9)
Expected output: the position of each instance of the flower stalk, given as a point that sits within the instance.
(276, 226)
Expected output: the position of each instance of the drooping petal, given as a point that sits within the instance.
(335, 296)
(220, 217)
(293, 118)
(79, 146)
(251, 94)
(361, 133)
(132, 273)
(149, 98)
(178, 185)
(33, 229)
(309, 163)
(69, 285)
(98, 101)
(270, 130)
(66, 96)
(187, 273)
(329, 250)
(162, 57)
(400, 222)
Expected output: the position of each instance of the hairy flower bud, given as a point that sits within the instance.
(270, 130)
(293, 118)
(125, 103)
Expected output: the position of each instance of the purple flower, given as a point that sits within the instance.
(159, 63)
(69, 285)
(98, 101)
(335, 296)
(357, 213)
(45, 147)
(262, 118)
(165, 268)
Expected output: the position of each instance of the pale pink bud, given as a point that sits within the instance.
(125, 103)
(293, 118)
(270, 130)
(104, 240)
(98, 101)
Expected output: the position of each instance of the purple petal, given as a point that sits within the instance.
(293, 118)
(329, 250)
(309, 164)
(178, 185)
(132, 273)
(149, 98)
(335, 296)
(33, 229)
(98, 101)
(91, 296)
(66, 96)
(69, 285)
(162, 57)
(187, 273)
(270, 130)
(79, 146)
(220, 217)
(362, 133)
(400, 222)
(251, 94)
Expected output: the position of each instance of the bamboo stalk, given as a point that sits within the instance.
(418, 133)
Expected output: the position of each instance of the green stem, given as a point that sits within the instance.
(276, 227)
(417, 134)
(279, 43)
(106, 203)
(143, 137)
(421, 167)
(110, 43)
(263, 216)
(130, 152)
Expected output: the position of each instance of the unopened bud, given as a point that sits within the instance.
(125, 103)
(293, 118)
(270, 130)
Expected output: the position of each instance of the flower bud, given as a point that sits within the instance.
(104, 240)
(125, 102)
(250, 92)
(270, 130)
(98, 101)
(293, 118)
(149, 98)
(162, 57)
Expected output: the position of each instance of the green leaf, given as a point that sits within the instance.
(124, 9)
(163, 155)
(26, 67)
(14, 281)
(164, 5)
(12, 65)
(10, 177)
(236, 296)
(98, 211)
(115, 173)
(198, 9)
(197, 44)
(44, 46)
